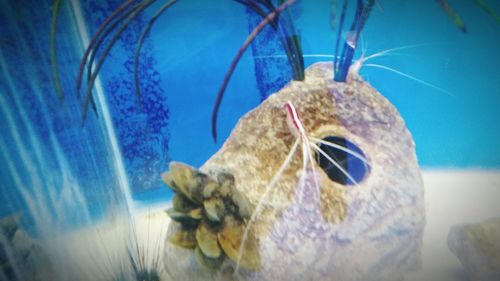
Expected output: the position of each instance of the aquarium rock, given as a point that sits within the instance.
(21, 257)
(477, 246)
(370, 229)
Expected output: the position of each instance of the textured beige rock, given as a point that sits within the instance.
(369, 231)
(21, 256)
(477, 246)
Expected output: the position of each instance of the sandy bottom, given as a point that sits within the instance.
(452, 197)
(105, 251)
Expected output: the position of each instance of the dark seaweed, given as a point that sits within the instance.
(341, 68)
(486, 8)
(122, 16)
(454, 16)
(339, 33)
(106, 27)
(267, 20)
(140, 42)
(286, 32)
(53, 25)
(88, 91)
(93, 42)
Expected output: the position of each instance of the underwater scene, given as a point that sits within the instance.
(249, 140)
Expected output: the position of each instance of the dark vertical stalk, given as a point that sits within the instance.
(93, 41)
(142, 37)
(488, 10)
(339, 35)
(88, 91)
(106, 27)
(287, 35)
(56, 7)
(106, 32)
(362, 13)
(267, 20)
(292, 40)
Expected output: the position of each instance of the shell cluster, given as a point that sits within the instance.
(212, 215)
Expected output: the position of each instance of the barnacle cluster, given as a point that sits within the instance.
(212, 215)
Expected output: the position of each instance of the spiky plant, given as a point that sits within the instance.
(146, 266)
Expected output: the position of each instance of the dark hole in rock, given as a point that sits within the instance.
(354, 166)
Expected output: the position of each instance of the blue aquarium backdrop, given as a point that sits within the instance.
(63, 172)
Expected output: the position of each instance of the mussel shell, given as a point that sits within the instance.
(186, 219)
(186, 180)
(241, 201)
(182, 204)
(230, 238)
(184, 239)
(214, 209)
(207, 262)
(168, 180)
(196, 214)
(189, 181)
(227, 183)
(211, 189)
(206, 237)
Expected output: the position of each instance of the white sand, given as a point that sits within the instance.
(100, 252)
(452, 197)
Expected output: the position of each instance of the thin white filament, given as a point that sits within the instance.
(345, 149)
(269, 187)
(410, 77)
(334, 163)
(389, 51)
(315, 175)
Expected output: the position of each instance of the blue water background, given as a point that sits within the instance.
(182, 65)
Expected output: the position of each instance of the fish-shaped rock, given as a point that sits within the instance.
(313, 226)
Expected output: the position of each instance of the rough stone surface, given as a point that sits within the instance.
(369, 231)
(477, 246)
(21, 256)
